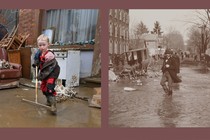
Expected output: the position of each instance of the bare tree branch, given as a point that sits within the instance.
(208, 12)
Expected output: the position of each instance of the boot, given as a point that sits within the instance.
(170, 92)
(165, 89)
(53, 104)
(48, 98)
(48, 101)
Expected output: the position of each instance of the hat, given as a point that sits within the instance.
(168, 51)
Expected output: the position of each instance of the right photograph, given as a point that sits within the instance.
(159, 68)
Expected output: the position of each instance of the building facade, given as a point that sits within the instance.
(118, 31)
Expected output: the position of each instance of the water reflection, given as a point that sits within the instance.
(168, 112)
(176, 86)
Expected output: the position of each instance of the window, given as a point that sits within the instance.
(125, 33)
(118, 31)
(127, 46)
(110, 28)
(122, 50)
(8, 20)
(115, 30)
(115, 48)
(72, 25)
(122, 15)
(110, 47)
(115, 13)
(126, 18)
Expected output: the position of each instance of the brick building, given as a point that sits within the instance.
(118, 31)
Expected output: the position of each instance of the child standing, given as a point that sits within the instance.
(48, 70)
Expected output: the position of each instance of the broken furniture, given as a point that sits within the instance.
(17, 41)
(7, 39)
(13, 40)
(9, 77)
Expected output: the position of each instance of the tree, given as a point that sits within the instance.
(208, 13)
(200, 30)
(204, 25)
(194, 41)
(157, 28)
(205, 38)
(199, 38)
(135, 35)
(174, 40)
(140, 29)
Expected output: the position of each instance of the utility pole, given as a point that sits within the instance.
(202, 50)
(202, 37)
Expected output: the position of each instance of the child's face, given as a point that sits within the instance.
(43, 45)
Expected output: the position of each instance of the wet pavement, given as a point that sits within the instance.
(148, 106)
(70, 113)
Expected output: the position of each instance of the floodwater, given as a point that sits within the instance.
(70, 113)
(148, 106)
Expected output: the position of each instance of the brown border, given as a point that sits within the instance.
(105, 4)
(106, 133)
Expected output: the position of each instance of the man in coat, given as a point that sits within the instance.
(169, 70)
(176, 57)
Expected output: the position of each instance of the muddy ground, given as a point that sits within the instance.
(71, 113)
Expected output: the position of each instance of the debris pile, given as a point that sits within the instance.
(63, 93)
(96, 100)
(112, 76)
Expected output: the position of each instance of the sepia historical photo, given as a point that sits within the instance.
(159, 68)
(50, 68)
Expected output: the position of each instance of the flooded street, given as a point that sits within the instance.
(148, 106)
(70, 113)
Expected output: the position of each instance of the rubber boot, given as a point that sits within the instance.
(53, 104)
(48, 101)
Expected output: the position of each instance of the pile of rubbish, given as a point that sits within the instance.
(112, 76)
(63, 93)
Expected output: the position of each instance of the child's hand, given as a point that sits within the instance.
(36, 63)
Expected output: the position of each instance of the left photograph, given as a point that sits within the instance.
(50, 68)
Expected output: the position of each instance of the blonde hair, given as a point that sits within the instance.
(43, 37)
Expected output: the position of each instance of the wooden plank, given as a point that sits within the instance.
(14, 56)
(26, 62)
